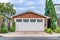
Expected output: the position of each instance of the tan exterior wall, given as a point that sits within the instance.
(1, 20)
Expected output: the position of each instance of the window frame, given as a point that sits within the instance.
(25, 20)
(33, 20)
(58, 8)
(39, 20)
(18, 20)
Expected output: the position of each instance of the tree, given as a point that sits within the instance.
(7, 10)
(52, 14)
(46, 8)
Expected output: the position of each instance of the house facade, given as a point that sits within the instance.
(57, 8)
(30, 21)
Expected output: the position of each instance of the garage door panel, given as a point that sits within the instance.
(30, 26)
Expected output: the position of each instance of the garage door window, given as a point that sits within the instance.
(25, 20)
(18, 20)
(32, 20)
(39, 20)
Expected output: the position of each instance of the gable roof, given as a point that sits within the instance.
(32, 12)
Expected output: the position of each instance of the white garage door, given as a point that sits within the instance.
(29, 24)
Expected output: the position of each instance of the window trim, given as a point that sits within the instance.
(29, 19)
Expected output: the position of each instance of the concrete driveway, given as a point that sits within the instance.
(29, 34)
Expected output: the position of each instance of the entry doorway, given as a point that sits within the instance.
(49, 23)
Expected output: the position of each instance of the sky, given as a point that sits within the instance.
(24, 5)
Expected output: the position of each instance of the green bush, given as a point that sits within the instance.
(49, 31)
(13, 24)
(46, 29)
(57, 30)
(12, 29)
(4, 29)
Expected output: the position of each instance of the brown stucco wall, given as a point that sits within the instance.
(30, 15)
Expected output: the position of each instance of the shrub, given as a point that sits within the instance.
(12, 29)
(57, 30)
(13, 24)
(4, 28)
(49, 31)
(46, 29)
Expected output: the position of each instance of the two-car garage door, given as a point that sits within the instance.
(29, 24)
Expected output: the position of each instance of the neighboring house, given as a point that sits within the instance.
(57, 8)
(30, 21)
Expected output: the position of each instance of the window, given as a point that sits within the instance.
(58, 8)
(18, 20)
(39, 20)
(25, 20)
(32, 20)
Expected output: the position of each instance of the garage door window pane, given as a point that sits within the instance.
(39, 20)
(32, 20)
(19, 20)
(25, 20)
